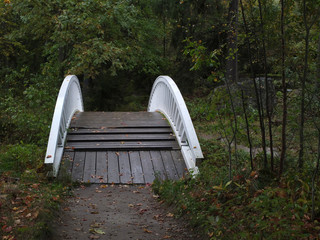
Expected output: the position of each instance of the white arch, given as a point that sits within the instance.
(68, 102)
(166, 98)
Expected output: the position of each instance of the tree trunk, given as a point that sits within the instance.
(268, 108)
(314, 175)
(253, 75)
(284, 91)
(247, 128)
(303, 89)
(232, 54)
(232, 61)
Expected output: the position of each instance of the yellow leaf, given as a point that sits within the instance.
(170, 215)
(228, 183)
(147, 231)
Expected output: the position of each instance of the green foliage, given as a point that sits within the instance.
(247, 207)
(20, 158)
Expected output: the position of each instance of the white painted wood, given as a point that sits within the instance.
(166, 98)
(68, 102)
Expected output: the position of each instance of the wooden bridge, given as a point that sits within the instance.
(123, 147)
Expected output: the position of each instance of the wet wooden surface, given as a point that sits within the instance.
(124, 167)
(122, 148)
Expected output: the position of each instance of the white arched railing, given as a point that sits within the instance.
(166, 98)
(68, 102)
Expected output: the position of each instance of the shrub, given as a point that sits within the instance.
(19, 158)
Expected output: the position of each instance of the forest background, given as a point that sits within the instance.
(250, 70)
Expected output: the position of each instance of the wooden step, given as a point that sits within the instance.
(121, 147)
(118, 119)
(128, 145)
(121, 130)
(96, 131)
(119, 137)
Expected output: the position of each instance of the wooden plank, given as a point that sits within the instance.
(124, 165)
(104, 124)
(136, 167)
(159, 170)
(118, 119)
(113, 167)
(74, 131)
(169, 165)
(78, 165)
(119, 137)
(118, 115)
(127, 145)
(102, 167)
(179, 163)
(67, 162)
(147, 166)
(89, 172)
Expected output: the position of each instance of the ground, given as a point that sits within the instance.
(118, 212)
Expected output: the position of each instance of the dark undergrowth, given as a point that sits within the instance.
(253, 204)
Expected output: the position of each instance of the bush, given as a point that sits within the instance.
(19, 158)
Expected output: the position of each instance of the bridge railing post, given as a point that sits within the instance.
(166, 98)
(68, 102)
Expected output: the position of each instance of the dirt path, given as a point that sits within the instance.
(118, 212)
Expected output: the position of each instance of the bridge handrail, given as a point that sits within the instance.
(68, 102)
(166, 98)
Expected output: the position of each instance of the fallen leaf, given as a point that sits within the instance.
(55, 198)
(17, 221)
(147, 231)
(253, 173)
(97, 231)
(142, 211)
(95, 225)
(35, 214)
(49, 156)
(35, 185)
(94, 212)
(166, 237)
(130, 205)
(3, 196)
(6, 228)
(170, 215)
(103, 186)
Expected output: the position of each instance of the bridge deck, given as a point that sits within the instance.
(122, 147)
